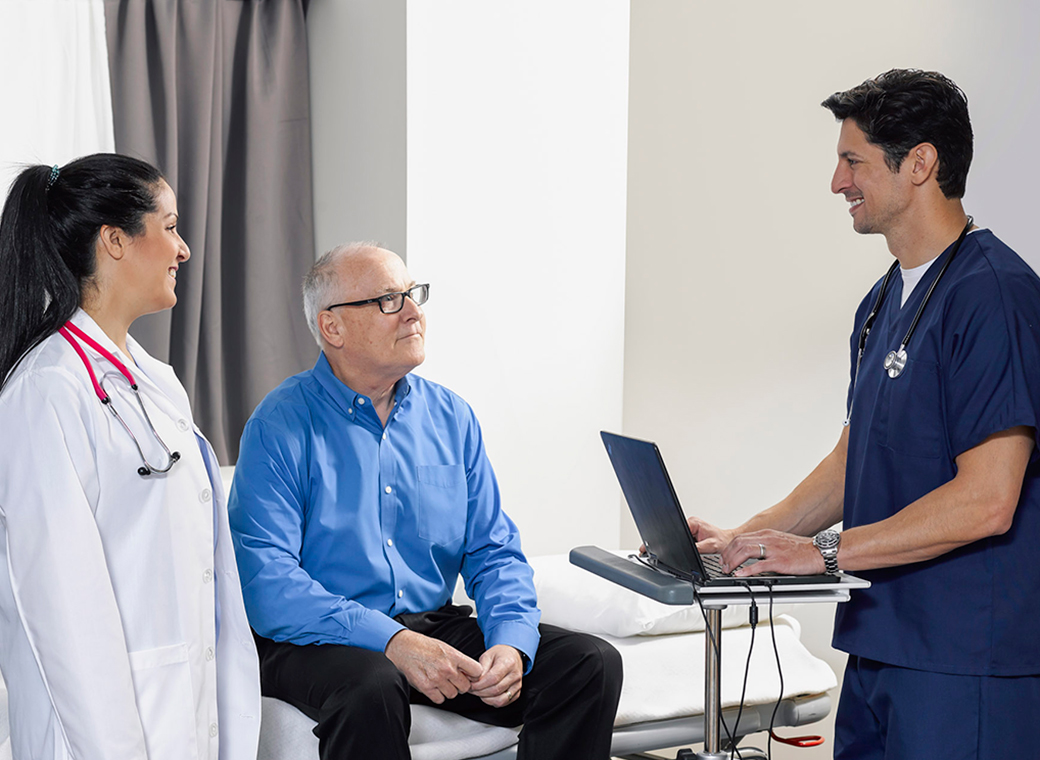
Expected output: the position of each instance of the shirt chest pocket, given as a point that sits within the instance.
(443, 503)
(914, 422)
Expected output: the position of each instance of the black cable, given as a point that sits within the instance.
(718, 656)
(641, 560)
(780, 672)
(753, 620)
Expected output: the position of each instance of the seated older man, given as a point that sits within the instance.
(361, 493)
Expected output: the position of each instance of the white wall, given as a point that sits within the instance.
(517, 132)
(743, 270)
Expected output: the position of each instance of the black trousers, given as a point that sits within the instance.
(361, 701)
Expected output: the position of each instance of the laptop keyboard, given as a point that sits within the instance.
(713, 566)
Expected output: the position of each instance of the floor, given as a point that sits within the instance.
(780, 751)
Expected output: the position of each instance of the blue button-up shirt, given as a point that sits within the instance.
(340, 524)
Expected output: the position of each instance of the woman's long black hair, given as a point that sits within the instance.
(48, 231)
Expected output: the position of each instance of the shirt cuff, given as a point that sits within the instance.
(520, 636)
(374, 631)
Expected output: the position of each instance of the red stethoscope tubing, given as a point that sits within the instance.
(68, 330)
(101, 394)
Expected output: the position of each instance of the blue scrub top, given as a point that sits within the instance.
(973, 370)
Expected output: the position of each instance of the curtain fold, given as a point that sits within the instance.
(215, 93)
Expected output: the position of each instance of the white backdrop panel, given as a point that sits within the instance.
(517, 141)
(55, 98)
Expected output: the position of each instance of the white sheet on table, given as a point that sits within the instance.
(664, 675)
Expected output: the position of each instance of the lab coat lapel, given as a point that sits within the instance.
(161, 377)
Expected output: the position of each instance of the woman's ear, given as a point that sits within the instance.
(112, 241)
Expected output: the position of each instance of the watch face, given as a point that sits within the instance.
(827, 542)
(827, 539)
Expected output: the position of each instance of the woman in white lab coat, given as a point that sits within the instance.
(122, 628)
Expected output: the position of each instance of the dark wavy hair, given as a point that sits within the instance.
(903, 108)
(48, 229)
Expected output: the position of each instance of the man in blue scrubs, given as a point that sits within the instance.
(361, 493)
(935, 476)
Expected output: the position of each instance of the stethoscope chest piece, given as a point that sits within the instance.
(895, 362)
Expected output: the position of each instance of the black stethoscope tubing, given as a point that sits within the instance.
(895, 361)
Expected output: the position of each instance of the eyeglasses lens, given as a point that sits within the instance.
(419, 294)
(394, 302)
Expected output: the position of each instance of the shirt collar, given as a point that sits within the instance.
(355, 405)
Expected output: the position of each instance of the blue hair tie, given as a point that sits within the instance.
(55, 171)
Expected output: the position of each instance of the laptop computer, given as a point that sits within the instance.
(670, 547)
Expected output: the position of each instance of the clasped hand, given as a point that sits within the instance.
(442, 672)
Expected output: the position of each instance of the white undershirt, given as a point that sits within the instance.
(913, 276)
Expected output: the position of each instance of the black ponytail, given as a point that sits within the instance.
(48, 231)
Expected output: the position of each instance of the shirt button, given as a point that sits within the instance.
(400, 594)
(361, 402)
(213, 729)
(350, 411)
(388, 489)
(210, 654)
(183, 425)
(389, 542)
(205, 495)
(384, 436)
(207, 575)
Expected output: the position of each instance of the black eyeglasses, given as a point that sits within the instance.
(391, 303)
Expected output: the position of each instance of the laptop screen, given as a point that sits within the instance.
(651, 499)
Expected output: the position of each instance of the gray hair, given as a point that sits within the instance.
(319, 283)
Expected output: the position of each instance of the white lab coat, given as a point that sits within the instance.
(108, 636)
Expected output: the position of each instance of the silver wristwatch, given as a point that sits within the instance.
(827, 542)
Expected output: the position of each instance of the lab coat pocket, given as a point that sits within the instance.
(915, 419)
(443, 503)
(165, 701)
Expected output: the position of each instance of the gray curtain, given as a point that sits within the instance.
(215, 93)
